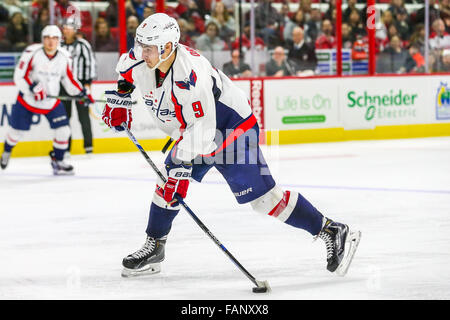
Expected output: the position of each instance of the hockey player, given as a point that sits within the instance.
(41, 69)
(212, 123)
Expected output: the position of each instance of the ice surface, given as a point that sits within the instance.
(65, 237)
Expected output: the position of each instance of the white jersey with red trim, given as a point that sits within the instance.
(192, 102)
(36, 67)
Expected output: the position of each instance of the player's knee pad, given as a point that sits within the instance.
(62, 135)
(13, 136)
(276, 203)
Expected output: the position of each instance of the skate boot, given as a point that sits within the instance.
(341, 245)
(5, 159)
(60, 168)
(146, 260)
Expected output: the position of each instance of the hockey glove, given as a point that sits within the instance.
(86, 98)
(117, 110)
(38, 91)
(178, 177)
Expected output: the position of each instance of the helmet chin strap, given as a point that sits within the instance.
(161, 60)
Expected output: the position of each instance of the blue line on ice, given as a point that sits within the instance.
(354, 188)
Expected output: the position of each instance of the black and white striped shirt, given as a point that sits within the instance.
(84, 66)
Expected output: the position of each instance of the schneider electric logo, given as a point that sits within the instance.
(443, 102)
(314, 106)
(394, 104)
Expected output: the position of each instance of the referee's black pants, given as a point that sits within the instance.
(83, 117)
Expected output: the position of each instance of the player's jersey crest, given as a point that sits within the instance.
(187, 83)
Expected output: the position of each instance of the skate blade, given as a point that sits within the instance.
(351, 244)
(148, 269)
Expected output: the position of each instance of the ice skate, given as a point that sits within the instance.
(60, 168)
(341, 244)
(146, 260)
(5, 159)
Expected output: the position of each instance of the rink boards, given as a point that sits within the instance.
(290, 110)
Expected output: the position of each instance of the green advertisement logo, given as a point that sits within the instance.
(300, 104)
(395, 104)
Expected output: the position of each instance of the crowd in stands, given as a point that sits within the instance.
(291, 37)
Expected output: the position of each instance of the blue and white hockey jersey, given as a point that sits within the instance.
(192, 104)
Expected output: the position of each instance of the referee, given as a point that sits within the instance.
(84, 69)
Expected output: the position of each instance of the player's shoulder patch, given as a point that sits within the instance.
(189, 81)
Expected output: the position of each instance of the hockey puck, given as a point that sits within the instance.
(260, 289)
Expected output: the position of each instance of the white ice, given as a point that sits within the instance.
(65, 237)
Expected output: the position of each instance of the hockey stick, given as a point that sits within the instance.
(261, 286)
(72, 98)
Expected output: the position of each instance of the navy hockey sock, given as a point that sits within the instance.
(8, 147)
(160, 221)
(59, 153)
(305, 216)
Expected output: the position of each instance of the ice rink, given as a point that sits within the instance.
(65, 237)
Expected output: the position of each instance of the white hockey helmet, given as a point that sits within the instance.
(157, 30)
(51, 31)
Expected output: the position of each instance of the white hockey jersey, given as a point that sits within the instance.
(193, 102)
(35, 66)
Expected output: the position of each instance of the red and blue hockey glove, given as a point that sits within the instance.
(178, 177)
(86, 98)
(117, 110)
(38, 91)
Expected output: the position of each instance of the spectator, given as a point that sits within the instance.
(17, 32)
(259, 42)
(138, 6)
(36, 7)
(331, 10)
(418, 37)
(103, 40)
(226, 24)
(355, 23)
(415, 63)
(313, 25)
(305, 6)
(278, 66)
(396, 6)
(132, 24)
(298, 20)
(326, 40)
(284, 14)
(4, 15)
(439, 38)
(185, 38)
(393, 58)
(43, 19)
(444, 65)
(236, 68)
(402, 24)
(111, 13)
(267, 23)
(347, 36)
(301, 54)
(351, 5)
(209, 41)
(148, 10)
(444, 9)
(433, 12)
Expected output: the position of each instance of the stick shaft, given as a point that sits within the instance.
(191, 213)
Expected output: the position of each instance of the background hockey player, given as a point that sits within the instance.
(41, 69)
(213, 125)
(84, 70)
